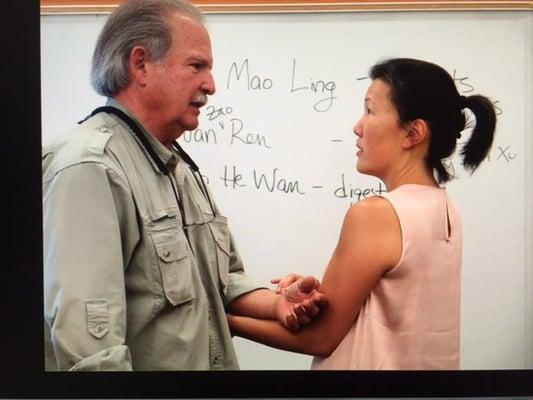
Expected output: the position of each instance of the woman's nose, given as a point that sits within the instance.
(357, 128)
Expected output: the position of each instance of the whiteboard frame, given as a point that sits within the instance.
(289, 6)
(529, 212)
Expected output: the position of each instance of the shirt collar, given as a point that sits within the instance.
(167, 156)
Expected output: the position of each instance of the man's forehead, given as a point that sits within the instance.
(180, 21)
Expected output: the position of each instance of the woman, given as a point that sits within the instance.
(393, 281)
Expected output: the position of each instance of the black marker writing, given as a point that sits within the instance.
(273, 182)
(505, 154)
(254, 82)
(347, 191)
(237, 135)
(464, 87)
(232, 180)
(200, 136)
(320, 86)
(213, 112)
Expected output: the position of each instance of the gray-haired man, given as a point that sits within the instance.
(140, 266)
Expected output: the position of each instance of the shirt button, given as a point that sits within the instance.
(98, 328)
(166, 253)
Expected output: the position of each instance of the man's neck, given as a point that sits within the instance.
(153, 125)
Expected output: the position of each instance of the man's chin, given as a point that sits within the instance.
(188, 125)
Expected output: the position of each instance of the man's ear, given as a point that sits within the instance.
(417, 132)
(137, 64)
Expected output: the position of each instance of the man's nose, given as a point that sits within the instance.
(209, 84)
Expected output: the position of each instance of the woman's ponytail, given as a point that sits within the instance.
(478, 146)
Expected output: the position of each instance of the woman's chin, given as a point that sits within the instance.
(359, 166)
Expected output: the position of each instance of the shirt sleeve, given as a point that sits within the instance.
(239, 282)
(90, 231)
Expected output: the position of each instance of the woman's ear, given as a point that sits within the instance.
(417, 132)
(137, 64)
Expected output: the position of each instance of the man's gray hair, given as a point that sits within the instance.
(135, 22)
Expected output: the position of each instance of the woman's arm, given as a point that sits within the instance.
(370, 244)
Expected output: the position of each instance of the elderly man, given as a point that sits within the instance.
(140, 266)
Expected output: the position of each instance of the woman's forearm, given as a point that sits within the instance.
(271, 333)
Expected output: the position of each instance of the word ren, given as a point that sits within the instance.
(236, 130)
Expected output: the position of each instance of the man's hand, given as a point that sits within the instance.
(300, 300)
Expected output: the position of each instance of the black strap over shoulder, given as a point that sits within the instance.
(185, 156)
(135, 128)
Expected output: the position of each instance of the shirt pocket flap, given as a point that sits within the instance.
(175, 266)
(97, 318)
(169, 252)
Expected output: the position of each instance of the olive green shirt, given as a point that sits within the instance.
(129, 282)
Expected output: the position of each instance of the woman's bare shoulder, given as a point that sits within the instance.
(374, 209)
(371, 229)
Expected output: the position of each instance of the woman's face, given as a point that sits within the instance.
(379, 135)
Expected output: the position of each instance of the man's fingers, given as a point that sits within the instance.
(292, 322)
(311, 308)
(319, 299)
(302, 315)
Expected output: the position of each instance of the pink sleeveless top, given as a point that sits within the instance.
(411, 318)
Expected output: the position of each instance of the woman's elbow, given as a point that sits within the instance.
(325, 348)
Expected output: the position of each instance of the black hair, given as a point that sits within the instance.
(423, 90)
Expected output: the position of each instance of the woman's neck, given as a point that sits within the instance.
(420, 175)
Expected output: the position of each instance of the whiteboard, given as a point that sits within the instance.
(276, 144)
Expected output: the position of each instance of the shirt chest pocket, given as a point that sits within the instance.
(174, 264)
